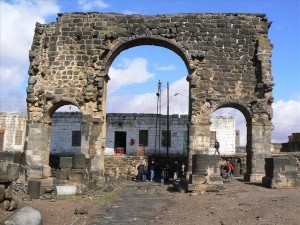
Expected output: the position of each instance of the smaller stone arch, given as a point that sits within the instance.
(236, 105)
(57, 105)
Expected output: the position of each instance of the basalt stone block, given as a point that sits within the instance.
(10, 174)
(79, 161)
(2, 192)
(281, 172)
(77, 175)
(66, 162)
(34, 187)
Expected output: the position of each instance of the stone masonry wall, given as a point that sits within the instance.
(227, 58)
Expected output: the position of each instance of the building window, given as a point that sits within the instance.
(164, 138)
(143, 137)
(76, 138)
(18, 137)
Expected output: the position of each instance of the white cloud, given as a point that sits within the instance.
(286, 120)
(92, 4)
(18, 20)
(178, 98)
(166, 68)
(132, 72)
(147, 103)
(130, 12)
(11, 78)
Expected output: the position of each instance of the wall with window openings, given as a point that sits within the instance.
(66, 132)
(145, 131)
(12, 131)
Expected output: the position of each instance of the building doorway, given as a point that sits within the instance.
(120, 140)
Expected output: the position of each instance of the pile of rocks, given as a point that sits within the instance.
(9, 172)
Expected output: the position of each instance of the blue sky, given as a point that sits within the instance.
(153, 63)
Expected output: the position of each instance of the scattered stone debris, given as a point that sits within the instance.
(81, 209)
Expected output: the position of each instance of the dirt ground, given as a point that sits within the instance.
(238, 203)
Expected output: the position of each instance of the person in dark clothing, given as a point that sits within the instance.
(140, 170)
(217, 146)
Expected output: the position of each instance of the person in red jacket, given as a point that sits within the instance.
(229, 169)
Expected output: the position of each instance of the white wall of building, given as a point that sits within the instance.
(133, 123)
(13, 126)
(225, 133)
(63, 124)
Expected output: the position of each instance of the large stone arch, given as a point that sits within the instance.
(227, 56)
(142, 40)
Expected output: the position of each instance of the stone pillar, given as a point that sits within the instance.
(199, 140)
(206, 172)
(37, 150)
(260, 149)
(92, 144)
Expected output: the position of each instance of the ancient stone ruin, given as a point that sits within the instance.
(9, 172)
(227, 58)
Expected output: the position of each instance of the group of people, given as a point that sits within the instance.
(159, 172)
(228, 168)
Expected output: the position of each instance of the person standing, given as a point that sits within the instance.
(229, 169)
(140, 169)
(217, 146)
(152, 170)
(145, 170)
(183, 170)
(176, 170)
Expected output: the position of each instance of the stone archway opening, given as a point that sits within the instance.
(229, 127)
(65, 137)
(140, 76)
(228, 58)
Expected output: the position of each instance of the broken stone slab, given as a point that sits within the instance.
(66, 162)
(10, 173)
(66, 190)
(79, 161)
(24, 216)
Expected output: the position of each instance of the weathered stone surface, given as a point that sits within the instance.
(281, 172)
(81, 209)
(227, 58)
(66, 162)
(2, 192)
(24, 216)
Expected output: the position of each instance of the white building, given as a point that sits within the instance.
(131, 132)
(225, 134)
(12, 131)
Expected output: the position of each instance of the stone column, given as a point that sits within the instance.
(92, 144)
(260, 149)
(37, 150)
(199, 140)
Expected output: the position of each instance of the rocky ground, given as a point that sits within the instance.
(129, 202)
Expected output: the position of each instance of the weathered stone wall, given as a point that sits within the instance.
(9, 172)
(281, 172)
(122, 167)
(227, 58)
